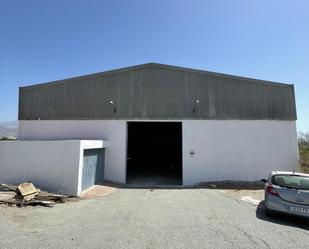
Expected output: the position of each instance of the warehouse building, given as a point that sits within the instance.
(163, 124)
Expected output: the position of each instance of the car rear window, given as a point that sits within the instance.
(291, 181)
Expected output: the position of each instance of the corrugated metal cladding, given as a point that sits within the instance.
(155, 91)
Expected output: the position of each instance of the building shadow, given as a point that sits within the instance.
(282, 219)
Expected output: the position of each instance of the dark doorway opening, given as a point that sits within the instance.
(154, 153)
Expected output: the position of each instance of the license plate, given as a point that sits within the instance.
(299, 210)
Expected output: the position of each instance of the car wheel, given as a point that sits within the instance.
(269, 212)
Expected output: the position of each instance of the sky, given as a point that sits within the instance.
(41, 41)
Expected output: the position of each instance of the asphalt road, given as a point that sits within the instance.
(142, 218)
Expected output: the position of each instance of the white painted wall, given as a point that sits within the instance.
(114, 131)
(51, 165)
(224, 149)
(239, 150)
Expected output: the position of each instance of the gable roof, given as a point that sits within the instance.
(163, 66)
(158, 91)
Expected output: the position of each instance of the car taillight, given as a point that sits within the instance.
(272, 191)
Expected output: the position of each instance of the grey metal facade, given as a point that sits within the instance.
(156, 91)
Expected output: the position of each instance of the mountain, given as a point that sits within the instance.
(8, 129)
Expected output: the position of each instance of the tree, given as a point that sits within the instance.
(303, 139)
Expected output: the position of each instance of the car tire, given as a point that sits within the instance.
(269, 212)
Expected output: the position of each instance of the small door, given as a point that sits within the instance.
(93, 167)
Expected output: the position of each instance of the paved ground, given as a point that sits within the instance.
(144, 218)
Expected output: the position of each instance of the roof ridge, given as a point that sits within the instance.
(160, 65)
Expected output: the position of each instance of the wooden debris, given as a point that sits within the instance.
(27, 190)
(42, 195)
(27, 194)
(6, 195)
(8, 187)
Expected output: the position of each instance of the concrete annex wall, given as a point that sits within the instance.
(51, 165)
(113, 131)
(234, 149)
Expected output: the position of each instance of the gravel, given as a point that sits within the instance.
(147, 218)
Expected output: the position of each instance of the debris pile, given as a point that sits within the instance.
(232, 184)
(27, 194)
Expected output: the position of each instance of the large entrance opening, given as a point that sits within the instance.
(154, 153)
